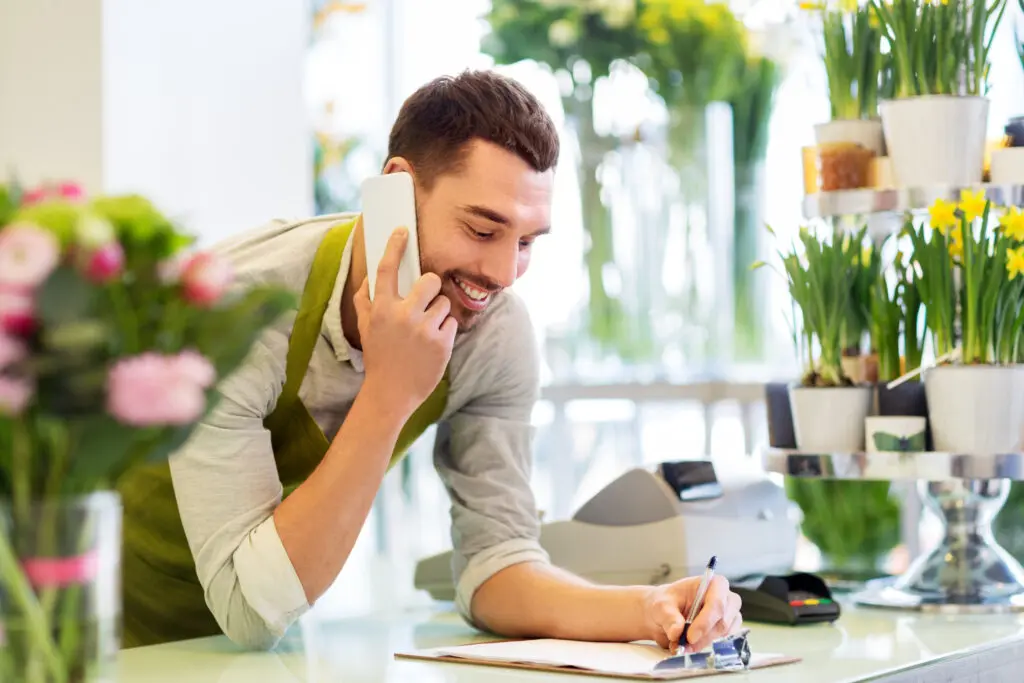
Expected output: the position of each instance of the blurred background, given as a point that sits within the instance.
(656, 336)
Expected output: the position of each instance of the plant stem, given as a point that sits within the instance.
(36, 625)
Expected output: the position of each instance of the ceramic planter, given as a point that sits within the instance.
(780, 416)
(1008, 166)
(867, 133)
(936, 139)
(975, 409)
(830, 419)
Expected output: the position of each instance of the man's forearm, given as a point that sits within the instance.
(538, 600)
(335, 499)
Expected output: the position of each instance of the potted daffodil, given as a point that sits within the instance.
(971, 267)
(828, 407)
(935, 125)
(854, 68)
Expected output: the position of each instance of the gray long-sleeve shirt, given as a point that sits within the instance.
(226, 482)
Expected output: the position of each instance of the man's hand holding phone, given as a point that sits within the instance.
(408, 342)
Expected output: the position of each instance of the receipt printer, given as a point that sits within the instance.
(657, 525)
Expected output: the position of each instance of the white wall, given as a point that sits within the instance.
(50, 90)
(198, 105)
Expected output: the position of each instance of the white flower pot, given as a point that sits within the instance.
(1008, 166)
(975, 409)
(830, 419)
(865, 132)
(936, 139)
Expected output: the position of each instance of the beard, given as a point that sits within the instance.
(466, 314)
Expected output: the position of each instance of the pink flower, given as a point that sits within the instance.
(194, 366)
(17, 315)
(105, 263)
(34, 196)
(28, 254)
(11, 351)
(152, 389)
(169, 271)
(14, 395)
(70, 191)
(205, 278)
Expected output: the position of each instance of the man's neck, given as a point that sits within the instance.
(353, 281)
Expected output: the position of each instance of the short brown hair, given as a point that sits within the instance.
(437, 122)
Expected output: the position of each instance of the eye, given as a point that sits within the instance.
(479, 234)
(525, 244)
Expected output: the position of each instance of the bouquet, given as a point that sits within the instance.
(695, 51)
(113, 336)
(561, 32)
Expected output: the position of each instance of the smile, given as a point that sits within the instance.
(474, 297)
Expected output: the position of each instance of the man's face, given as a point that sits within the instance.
(476, 227)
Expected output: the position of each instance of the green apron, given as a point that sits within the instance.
(163, 600)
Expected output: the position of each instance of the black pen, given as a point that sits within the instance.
(698, 600)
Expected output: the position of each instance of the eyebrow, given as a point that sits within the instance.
(495, 217)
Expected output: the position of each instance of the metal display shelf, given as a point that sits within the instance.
(967, 571)
(869, 201)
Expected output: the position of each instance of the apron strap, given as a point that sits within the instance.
(315, 296)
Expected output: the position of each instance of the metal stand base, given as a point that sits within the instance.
(967, 571)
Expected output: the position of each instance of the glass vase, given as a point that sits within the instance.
(60, 600)
(701, 216)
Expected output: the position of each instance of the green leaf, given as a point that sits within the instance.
(65, 297)
(100, 446)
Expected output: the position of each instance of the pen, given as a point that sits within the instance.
(698, 600)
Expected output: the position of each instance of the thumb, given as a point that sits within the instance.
(362, 303)
(673, 632)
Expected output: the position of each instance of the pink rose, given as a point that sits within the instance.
(17, 314)
(34, 196)
(105, 263)
(205, 278)
(70, 191)
(169, 271)
(28, 254)
(153, 389)
(11, 351)
(14, 395)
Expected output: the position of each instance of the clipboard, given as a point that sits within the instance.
(630, 661)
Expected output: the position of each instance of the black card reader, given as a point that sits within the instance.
(794, 599)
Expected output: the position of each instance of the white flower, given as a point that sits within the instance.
(28, 254)
(562, 33)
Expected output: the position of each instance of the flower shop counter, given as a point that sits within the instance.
(863, 645)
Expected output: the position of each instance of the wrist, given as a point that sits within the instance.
(384, 404)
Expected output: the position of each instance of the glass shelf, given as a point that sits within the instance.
(872, 201)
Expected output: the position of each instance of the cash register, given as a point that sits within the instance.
(657, 524)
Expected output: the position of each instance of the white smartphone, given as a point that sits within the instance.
(389, 202)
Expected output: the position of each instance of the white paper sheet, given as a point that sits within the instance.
(631, 659)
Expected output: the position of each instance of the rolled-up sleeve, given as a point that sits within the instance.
(483, 454)
(227, 487)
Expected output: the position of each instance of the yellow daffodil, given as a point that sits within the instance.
(942, 215)
(812, 6)
(848, 5)
(972, 204)
(956, 242)
(1013, 224)
(1015, 262)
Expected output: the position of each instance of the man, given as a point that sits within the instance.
(252, 520)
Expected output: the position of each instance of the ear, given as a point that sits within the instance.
(398, 165)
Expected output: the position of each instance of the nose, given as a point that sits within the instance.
(502, 266)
